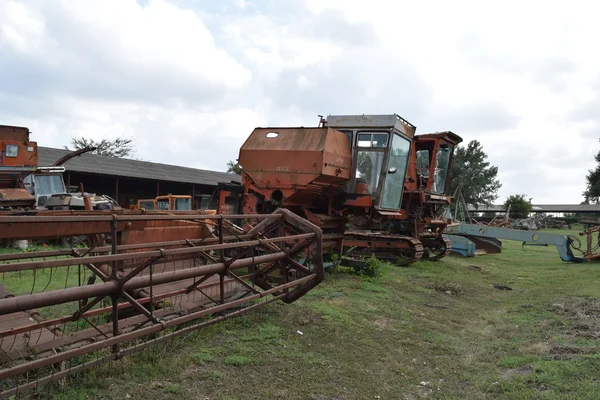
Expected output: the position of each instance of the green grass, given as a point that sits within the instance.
(437, 330)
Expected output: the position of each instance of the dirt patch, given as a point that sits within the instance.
(584, 317)
(521, 371)
(448, 288)
(568, 350)
(540, 348)
(542, 388)
(383, 323)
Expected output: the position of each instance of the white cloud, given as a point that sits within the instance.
(190, 80)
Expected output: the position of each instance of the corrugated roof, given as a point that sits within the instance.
(97, 164)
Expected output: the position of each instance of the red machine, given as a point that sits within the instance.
(364, 180)
(18, 158)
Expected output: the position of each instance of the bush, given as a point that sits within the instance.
(372, 268)
(520, 207)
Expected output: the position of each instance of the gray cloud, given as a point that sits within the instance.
(472, 120)
(89, 62)
(549, 69)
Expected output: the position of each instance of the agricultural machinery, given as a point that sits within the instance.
(370, 184)
(24, 185)
(354, 185)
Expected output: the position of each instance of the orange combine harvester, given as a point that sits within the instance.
(370, 183)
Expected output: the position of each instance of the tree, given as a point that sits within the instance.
(592, 192)
(113, 148)
(478, 179)
(520, 206)
(234, 167)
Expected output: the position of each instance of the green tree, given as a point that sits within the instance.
(592, 192)
(520, 206)
(478, 178)
(234, 167)
(119, 147)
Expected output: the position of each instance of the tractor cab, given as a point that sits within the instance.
(380, 145)
(433, 154)
(172, 202)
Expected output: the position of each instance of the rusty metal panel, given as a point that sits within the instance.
(296, 156)
(385, 121)
(15, 196)
(21, 155)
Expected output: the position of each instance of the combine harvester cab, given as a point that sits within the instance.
(428, 189)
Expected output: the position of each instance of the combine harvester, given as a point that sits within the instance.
(369, 183)
(24, 185)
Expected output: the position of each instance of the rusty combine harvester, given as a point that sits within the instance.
(144, 277)
(18, 159)
(370, 183)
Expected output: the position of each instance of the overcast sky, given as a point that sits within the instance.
(189, 80)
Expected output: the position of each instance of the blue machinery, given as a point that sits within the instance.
(468, 238)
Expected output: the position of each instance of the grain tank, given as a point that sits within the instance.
(294, 167)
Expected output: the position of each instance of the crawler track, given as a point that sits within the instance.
(398, 249)
(441, 248)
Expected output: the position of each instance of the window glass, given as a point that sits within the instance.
(368, 168)
(423, 163)
(442, 161)
(205, 203)
(49, 184)
(183, 204)
(380, 139)
(376, 139)
(148, 205)
(162, 204)
(364, 140)
(396, 171)
(11, 150)
(28, 182)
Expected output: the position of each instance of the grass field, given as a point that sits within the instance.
(438, 330)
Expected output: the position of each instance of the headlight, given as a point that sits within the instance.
(12, 150)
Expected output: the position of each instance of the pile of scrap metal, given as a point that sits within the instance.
(540, 221)
(470, 237)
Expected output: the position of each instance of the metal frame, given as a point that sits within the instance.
(150, 287)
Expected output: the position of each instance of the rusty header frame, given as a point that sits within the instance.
(230, 272)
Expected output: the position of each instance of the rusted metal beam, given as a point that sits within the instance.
(25, 302)
(143, 254)
(99, 311)
(100, 216)
(121, 247)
